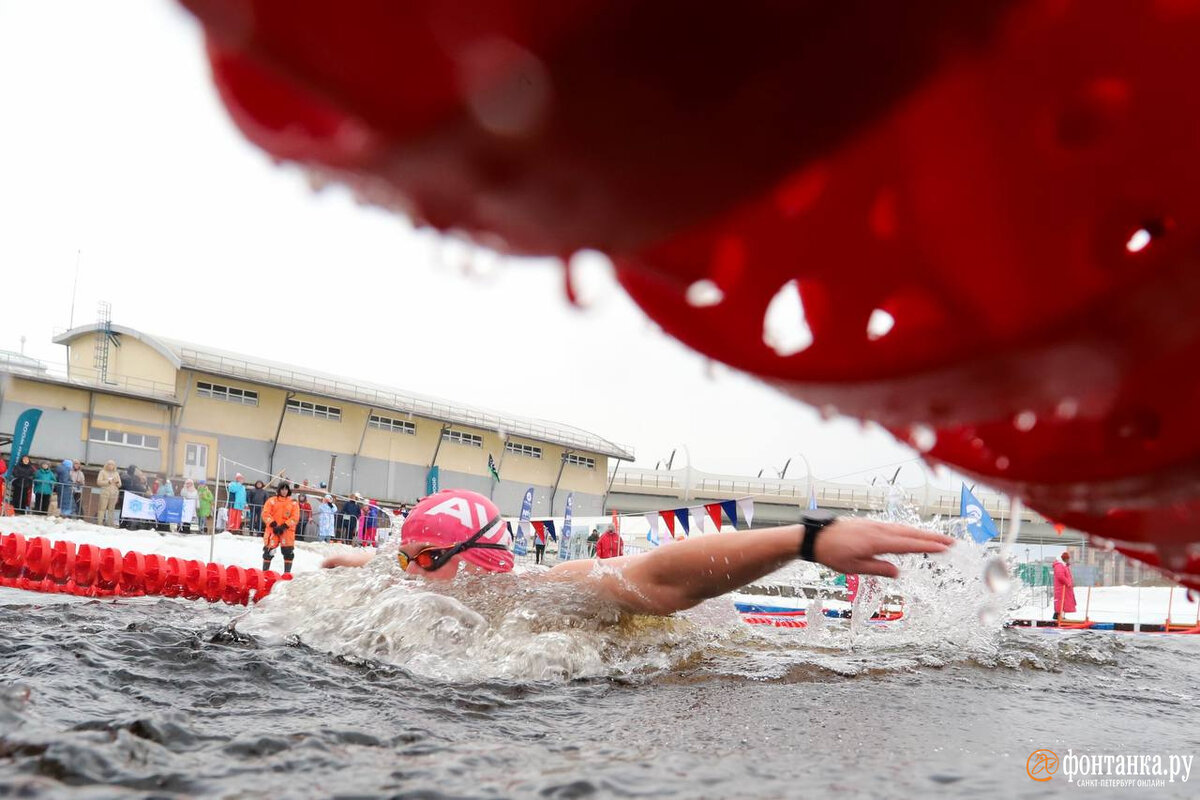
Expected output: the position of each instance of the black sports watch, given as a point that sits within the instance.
(814, 521)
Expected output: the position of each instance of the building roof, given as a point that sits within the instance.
(379, 397)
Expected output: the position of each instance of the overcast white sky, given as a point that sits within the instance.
(115, 145)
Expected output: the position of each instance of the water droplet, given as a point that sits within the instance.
(879, 325)
(827, 411)
(996, 577)
(1139, 241)
(1025, 421)
(590, 277)
(1192, 595)
(1002, 463)
(785, 329)
(1173, 557)
(506, 87)
(976, 443)
(704, 293)
(923, 437)
(989, 616)
(1067, 408)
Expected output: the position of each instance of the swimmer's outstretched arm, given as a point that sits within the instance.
(683, 574)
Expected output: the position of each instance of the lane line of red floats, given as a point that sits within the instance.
(40, 565)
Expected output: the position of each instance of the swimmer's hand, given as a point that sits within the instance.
(356, 559)
(852, 545)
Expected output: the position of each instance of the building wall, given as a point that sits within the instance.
(133, 360)
(390, 465)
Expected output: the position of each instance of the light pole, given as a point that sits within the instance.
(807, 466)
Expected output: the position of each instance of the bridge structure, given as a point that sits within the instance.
(780, 502)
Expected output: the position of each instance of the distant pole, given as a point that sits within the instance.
(74, 290)
(332, 462)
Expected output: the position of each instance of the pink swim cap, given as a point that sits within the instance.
(454, 515)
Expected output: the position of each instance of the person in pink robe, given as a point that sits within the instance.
(1064, 587)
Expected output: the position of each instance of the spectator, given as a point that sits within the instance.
(348, 523)
(280, 515)
(236, 492)
(610, 545)
(370, 523)
(132, 480)
(3, 475)
(109, 482)
(189, 492)
(165, 489)
(539, 545)
(592, 539)
(326, 511)
(256, 498)
(43, 487)
(78, 481)
(1064, 587)
(204, 505)
(22, 485)
(305, 516)
(63, 488)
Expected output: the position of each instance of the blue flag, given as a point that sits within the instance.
(730, 509)
(23, 436)
(979, 521)
(565, 545)
(433, 481)
(519, 546)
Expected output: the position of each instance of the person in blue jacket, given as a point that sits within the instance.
(43, 487)
(64, 487)
(236, 491)
(348, 519)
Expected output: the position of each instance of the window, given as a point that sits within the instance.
(314, 409)
(587, 462)
(458, 437)
(142, 440)
(389, 424)
(228, 393)
(523, 449)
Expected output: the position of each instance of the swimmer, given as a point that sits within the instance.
(457, 531)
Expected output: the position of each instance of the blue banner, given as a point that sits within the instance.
(23, 436)
(171, 510)
(519, 546)
(979, 521)
(564, 545)
(433, 482)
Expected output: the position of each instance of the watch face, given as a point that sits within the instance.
(819, 516)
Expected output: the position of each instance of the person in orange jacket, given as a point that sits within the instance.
(279, 517)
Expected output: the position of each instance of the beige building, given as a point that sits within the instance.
(180, 409)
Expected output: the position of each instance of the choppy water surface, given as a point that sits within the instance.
(364, 684)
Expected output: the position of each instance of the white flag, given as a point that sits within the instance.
(652, 534)
(745, 508)
(698, 516)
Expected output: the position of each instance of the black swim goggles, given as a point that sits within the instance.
(432, 558)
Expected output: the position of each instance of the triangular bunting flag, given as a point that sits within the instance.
(697, 515)
(681, 514)
(669, 518)
(652, 534)
(746, 506)
(730, 508)
(540, 527)
(550, 530)
(714, 513)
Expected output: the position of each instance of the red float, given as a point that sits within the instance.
(984, 210)
(133, 573)
(62, 562)
(109, 567)
(87, 565)
(37, 558)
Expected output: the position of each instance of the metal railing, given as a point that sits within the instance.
(390, 400)
(80, 378)
(702, 485)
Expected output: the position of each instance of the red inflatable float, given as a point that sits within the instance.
(40, 565)
(971, 222)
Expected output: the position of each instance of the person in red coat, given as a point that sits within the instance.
(610, 545)
(1064, 587)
